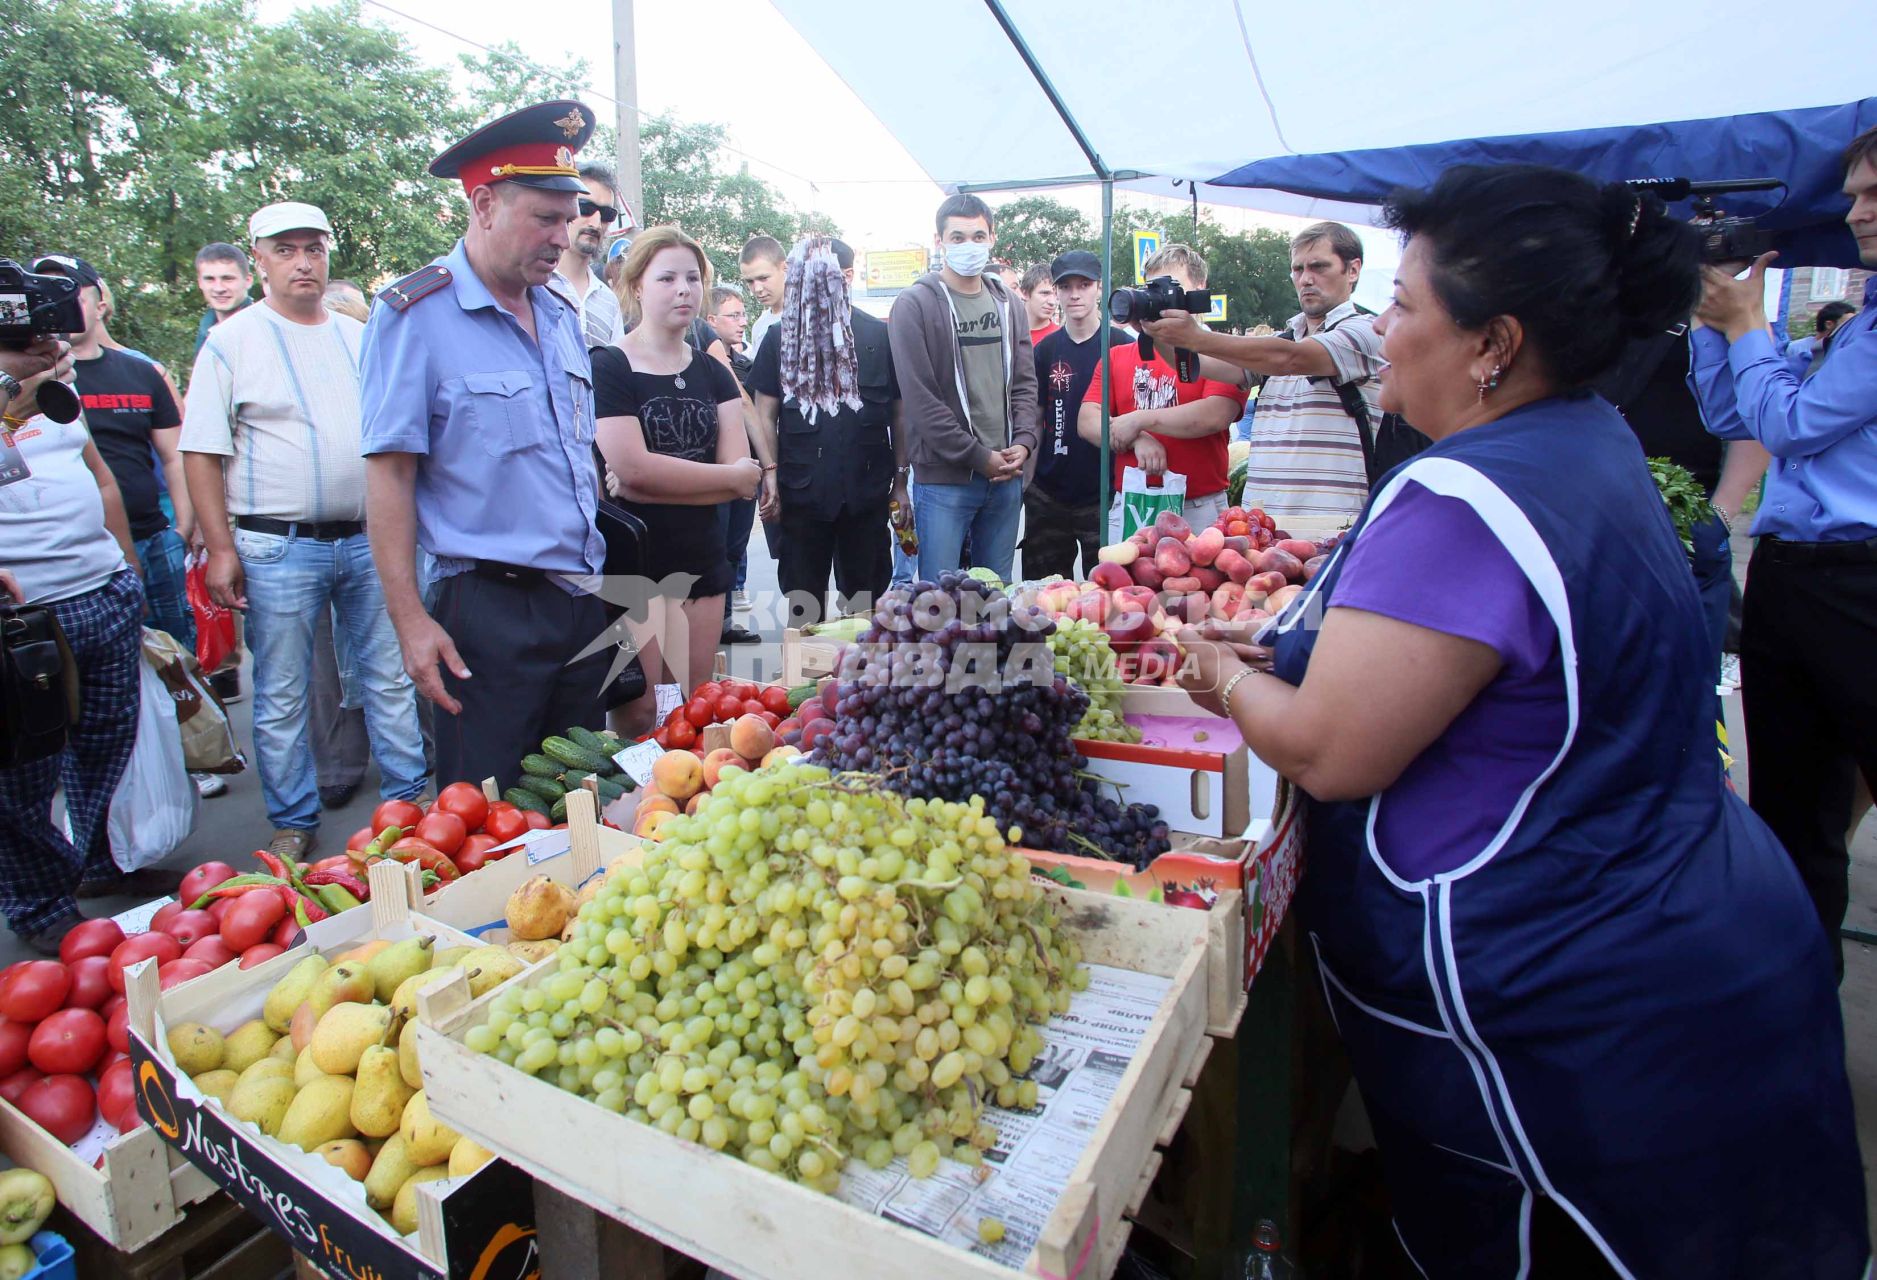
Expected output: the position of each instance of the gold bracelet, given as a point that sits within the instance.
(1225, 695)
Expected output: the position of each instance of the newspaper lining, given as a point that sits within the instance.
(1085, 1053)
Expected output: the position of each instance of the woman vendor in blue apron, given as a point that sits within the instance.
(1575, 975)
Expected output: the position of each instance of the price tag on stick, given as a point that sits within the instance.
(637, 760)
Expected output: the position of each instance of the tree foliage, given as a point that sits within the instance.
(132, 132)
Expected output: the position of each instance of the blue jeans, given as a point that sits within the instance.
(944, 514)
(162, 556)
(290, 581)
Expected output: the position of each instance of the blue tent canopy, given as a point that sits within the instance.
(1800, 148)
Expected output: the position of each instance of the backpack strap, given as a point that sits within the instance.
(1353, 403)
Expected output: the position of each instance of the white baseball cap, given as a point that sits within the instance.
(288, 215)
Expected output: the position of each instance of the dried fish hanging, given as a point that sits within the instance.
(820, 369)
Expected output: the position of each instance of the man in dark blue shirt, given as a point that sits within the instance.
(1061, 508)
(1809, 625)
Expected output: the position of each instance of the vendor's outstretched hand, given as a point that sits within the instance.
(1206, 667)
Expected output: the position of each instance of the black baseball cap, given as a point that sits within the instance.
(1076, 262)
(66, 265)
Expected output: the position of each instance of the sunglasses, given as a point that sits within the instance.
(608, 213)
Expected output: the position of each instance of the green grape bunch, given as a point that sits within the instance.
(810, 969)
(1085, 656)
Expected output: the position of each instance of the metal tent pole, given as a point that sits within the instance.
(1107, 285)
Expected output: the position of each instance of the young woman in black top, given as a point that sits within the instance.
(670, 423)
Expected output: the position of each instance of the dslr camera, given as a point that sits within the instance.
(1723, 239)
(1153, 300)
(40, 306)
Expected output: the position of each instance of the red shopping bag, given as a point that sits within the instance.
(215, 626)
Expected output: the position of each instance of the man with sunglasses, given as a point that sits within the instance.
(581, 277)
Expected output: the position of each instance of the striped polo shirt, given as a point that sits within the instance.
(1306, 454)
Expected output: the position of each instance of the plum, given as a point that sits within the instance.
(1241, 545)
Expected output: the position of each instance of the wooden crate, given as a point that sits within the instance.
(464, 1223)
(806, 657)
(718, 1209)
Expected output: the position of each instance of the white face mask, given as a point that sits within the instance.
(967, 259)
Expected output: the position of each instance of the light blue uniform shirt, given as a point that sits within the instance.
(504, 426)
(1822, 432)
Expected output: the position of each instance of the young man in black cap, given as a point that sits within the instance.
(478, 436)
(1062, 506)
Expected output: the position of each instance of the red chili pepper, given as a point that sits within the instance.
(427, 856)
(308, 911)
(274, 864)
(350, 883)
(250, 883)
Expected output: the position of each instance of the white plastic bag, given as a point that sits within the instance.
(154, 808)
(1144, 497)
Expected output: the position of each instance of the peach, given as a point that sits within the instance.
(780, 755)
(649, 825)
(1171, 524)
(1250, 613)
(1092, 606)
(1282, 597)
(1278, 560)
(717, 761)
(1264, 584)
(751, 737)
(1110, 576)
(1209, 577)
(1182, 585)
(656, 802)
(1313, 566)
(1172, 558)
(1239, 543)
(1298, 547)
(679, 774)
(691, 805)
(815, 731)
(1147, 574)
(1205, 546)
(1227, 600)
(1135, 599)
(1144, 538)
(1119, 553)
(1234, 566)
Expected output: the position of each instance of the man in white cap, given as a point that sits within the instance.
(270, 437)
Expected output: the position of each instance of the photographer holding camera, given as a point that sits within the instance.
(1160, 422)
(1307, 456)
(1809, 625)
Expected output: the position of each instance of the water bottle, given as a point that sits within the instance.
(1266, 1260)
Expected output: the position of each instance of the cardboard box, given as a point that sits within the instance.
(1142, 704)
(479, 1225)
(1201, 786)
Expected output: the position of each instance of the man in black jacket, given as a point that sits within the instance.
(838, 463)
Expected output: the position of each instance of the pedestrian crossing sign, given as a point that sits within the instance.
(1146, 245)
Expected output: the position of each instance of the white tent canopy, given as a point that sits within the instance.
(1192, 89)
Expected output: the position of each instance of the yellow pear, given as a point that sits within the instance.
(391, 1168)
(196, 1048)
(262, 1101)
(404, 999)
(247, 1044)
(489, 967)
(378, 1101)
(407, 1056)
(427, 1139)
(321, 1113)
(305, 1070)
(404, 1205)
(467, 1156)
(348, 1154)
(340, 984)
(291, 991)
(363, 952)
(346, 1032)
(406, 959)
(217, 1084)
(534, 952)
(268, 1068)
(449, 956)
(300, 1030)
(539, 908)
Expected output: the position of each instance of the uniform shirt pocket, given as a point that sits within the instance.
(500, 410)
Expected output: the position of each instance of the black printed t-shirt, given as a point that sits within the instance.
(125, 399)
(1068, 468)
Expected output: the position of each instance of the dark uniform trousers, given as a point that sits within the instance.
(1054, 531)
(1808, 687)
(855, 545)
(518, 637)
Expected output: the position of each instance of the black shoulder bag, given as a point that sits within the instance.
(38, 685)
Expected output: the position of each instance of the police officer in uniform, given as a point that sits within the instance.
(478, 436)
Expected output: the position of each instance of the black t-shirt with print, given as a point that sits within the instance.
(1068, 468)
(125, 399)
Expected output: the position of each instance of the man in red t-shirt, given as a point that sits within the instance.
(1158, 423)
(1039, 299)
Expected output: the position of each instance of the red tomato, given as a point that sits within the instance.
(771, 719)
(443, 831)
(111, 1006)
(505, 824)
(219, 908)
(396, 813)
(699, 712)
(190, 927)
(164, 914)
(676, 714)
(62, 1105)
(14, 1037)
(249, 919)
(283, 932)
(91, 983)
(177, 972)
(115, 1084)
(34, 989)
(145, 946)
(126, 1120)
(739, 689)
(729, 707)
(682, 737)
(466, 801)
(474, 855)
(117, 1028)
(709, 691)
(663, 737)
(211, 950)
(14, 1085)
(92, 938)
(537, 821)
(359, 839)
(259, 953)
(111, 1058)
(775, 698)
(202, 879)
(70, 1042)
(752, 707)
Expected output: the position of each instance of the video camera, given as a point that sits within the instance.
(40, 306)
(1723, 239)
(1153, 300)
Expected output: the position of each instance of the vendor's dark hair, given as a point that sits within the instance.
(1583, 267)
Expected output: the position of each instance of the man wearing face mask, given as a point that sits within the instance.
(961, 351)
(478, 404)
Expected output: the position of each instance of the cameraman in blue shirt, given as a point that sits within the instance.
(1809, 629)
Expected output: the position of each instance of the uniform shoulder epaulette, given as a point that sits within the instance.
(419, 284)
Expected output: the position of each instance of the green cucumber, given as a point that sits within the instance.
(528, 800)
(591, 741)
(572, 753)
(802, 693)
(547, 788)
(540, 766)
(559, 812)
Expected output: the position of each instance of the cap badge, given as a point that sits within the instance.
(572, 123)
